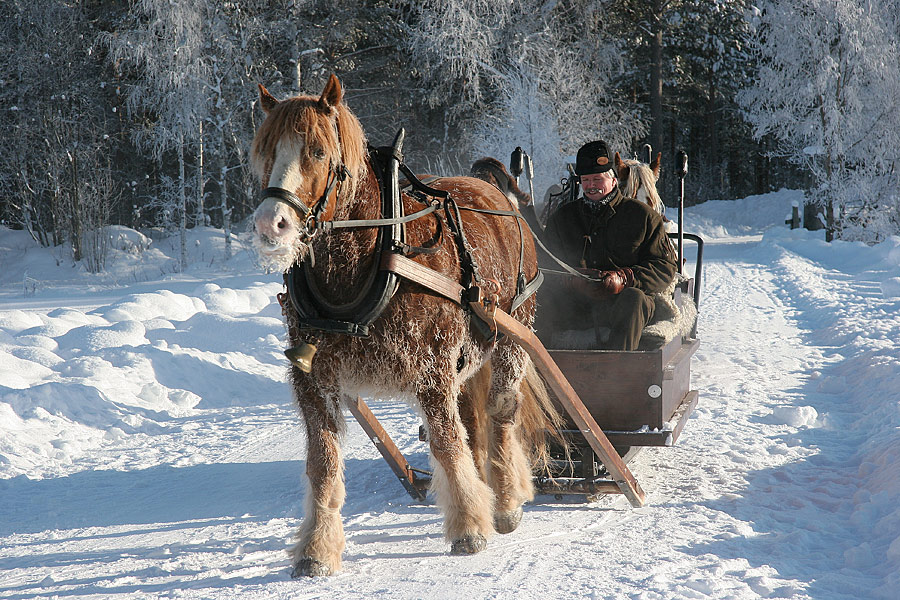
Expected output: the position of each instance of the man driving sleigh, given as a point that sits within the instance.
(620, 244)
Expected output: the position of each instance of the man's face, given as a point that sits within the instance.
(597, 185)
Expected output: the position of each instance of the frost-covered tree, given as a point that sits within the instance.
(550, 103)
(535, 73)
(455, 44)
(165, 47)
(53, 126)
(828, 95)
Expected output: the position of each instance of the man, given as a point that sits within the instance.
(620, 243)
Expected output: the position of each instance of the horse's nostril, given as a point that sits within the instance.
(282, 224)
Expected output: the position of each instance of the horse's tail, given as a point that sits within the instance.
(538, 418)
(494, 172)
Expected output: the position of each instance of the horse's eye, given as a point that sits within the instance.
(318, 154)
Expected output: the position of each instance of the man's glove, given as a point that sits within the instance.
(613, 282)
(605, 283)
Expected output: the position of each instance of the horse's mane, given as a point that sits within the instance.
(640, 175)
(303, 117)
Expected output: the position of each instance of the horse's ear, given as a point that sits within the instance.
(332, 94)
(621, 167)
(656, 164)
(266, 100)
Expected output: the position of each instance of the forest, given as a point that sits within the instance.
(141, 112)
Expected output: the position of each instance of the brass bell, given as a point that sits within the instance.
(301, 356)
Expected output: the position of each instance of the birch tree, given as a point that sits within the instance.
(165, 47)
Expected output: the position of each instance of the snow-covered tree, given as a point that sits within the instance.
(535, 73)
(828, 95)
(165, 46)
(454, 45)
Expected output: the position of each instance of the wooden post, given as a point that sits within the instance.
(794, 221)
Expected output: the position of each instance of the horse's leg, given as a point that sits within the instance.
(320, 539)
(509, 469)
(464, 498)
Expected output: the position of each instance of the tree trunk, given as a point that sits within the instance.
(712, 131)
(77, 216)
(656, 111)
(183, 200)
(200, 218)
(226, 212)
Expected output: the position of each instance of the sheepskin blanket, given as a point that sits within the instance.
(668, 322)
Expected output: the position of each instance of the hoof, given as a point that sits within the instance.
(310, 567)
(508, 521)
(469, 544)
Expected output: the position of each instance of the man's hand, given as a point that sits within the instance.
(613, 282)
(605, 283)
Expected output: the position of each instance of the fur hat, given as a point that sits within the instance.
(593, 157)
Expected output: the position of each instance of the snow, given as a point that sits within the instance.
(150, 447)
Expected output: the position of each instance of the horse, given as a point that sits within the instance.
(310, 156)
(494, 172)
(637, 180)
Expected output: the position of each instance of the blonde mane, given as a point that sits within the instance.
(641, 176)
(303, 118)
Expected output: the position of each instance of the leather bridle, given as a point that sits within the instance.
(312, 215)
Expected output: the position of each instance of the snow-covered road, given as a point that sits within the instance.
(150, 449)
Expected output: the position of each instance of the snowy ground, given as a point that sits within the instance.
(149, 447)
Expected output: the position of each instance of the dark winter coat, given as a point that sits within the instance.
(622, 233)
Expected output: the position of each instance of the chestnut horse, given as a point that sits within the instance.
(494, 172)
(312, 151)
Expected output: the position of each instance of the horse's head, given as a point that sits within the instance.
(309, 156)
(637, 180)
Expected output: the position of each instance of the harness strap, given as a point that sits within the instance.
(419, 273)
(286, 196)
(491, 211)
(351, 224)
(443, 285)
(527, 290)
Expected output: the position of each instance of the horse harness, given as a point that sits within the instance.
(316, 314)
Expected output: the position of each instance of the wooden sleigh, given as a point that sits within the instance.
(615, 403)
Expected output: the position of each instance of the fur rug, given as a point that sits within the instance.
(668, 322)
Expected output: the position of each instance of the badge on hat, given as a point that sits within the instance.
(602, 160)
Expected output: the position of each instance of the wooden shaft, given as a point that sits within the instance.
(387, 448)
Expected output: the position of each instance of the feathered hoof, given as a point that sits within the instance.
(310, 567)
(508, 521)
(469, 544)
